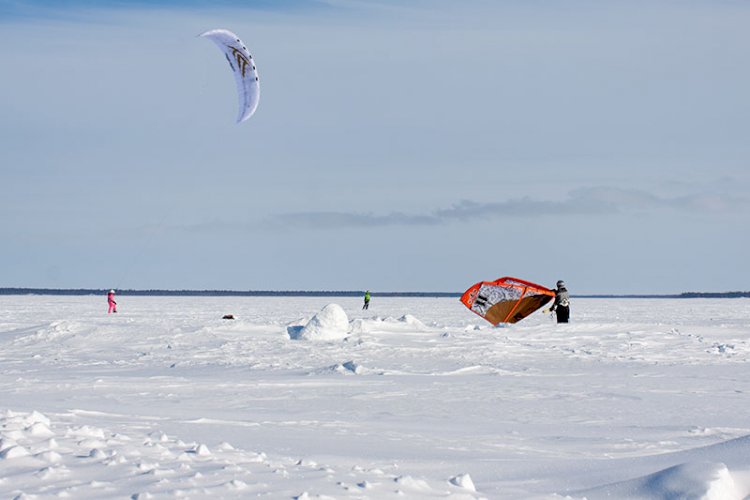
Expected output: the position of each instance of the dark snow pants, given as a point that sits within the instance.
(563, 314)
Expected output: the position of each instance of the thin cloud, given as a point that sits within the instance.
(523, 207)
(581, 202)
(344, 219)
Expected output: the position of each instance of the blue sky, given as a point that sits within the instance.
(397, 145)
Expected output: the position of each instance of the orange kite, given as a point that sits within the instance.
(506, 300)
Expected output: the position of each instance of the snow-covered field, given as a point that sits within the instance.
(421, 399)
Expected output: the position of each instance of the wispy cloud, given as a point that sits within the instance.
(592, 201)
(351, 219)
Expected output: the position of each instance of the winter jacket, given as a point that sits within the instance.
(562, 298)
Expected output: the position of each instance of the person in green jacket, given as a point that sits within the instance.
(367, 300)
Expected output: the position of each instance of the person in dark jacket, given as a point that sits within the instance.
(561, 306)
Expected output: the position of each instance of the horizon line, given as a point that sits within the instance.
(155, 292)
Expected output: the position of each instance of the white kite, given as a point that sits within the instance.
(243, 67)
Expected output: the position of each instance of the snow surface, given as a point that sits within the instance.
(415, 398)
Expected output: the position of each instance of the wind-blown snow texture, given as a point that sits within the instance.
(415, 398)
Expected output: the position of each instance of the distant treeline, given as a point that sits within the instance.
(218, 293)
(326, 293)
(721, 295)
(684, 295)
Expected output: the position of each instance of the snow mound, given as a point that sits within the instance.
(406, 323)
(413, 483)
(463, 481)
(349, 367)
(698, 480)
(39, 429)
(411, 320)
(360, 325)
(331, 323)
(14, 452)
(353, 367)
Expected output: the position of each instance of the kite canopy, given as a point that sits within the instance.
(506, 300)
(243, 67)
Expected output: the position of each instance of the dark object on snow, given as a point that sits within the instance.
(561, 306)
(228, 316)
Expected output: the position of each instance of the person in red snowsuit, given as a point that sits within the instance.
(111, 302)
